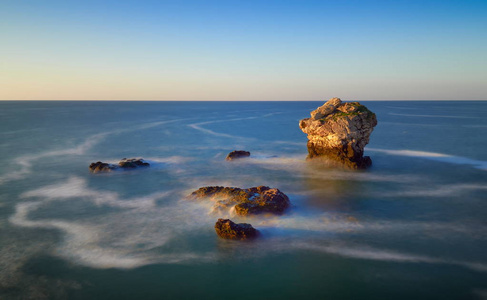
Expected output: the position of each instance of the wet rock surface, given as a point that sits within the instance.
(99, 166)
(338, 132)
(251, 201)
(237, 154)
(227, 229)
(124, 164)
(132, 163)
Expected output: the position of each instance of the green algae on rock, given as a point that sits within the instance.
(338, 132)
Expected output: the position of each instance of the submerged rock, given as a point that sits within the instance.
(338, 132)
(227, 229)
(125, 163)
(251, 201)
(131, 163)
(237, 154)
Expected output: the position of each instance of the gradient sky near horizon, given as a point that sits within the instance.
(243, 50)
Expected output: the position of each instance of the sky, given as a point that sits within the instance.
(243, 50)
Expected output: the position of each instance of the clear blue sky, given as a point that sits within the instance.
(243, 50)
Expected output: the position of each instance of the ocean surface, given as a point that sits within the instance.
(413, 226)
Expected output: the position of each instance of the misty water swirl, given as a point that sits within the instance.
(417, 212)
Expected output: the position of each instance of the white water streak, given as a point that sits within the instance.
(211, 132)
(25, 162)
(300, 168)
(433, 116)
(198, 126)
(479, 164)
(370, 253)
(76, 187)
(133, 237)
(447, 190)
(123, 239)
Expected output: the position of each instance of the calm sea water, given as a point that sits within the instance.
(411, 227)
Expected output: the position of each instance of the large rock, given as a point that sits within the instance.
(227, 229)
(237, 154)
(251, 201)
(124, 164)
(338, 133)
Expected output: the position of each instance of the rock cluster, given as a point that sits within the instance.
(338, 133)
(227, 229)
(237, 154)
(125, 163)
(251, 201)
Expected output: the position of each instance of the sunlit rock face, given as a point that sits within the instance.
(338, 132)
(227, 229)
(251, 201)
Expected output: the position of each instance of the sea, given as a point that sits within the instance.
(413, 226)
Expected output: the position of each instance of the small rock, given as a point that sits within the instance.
(125, 163)
(237, 154)
(227, 229)
(131, 163)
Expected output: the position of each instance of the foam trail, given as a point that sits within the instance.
(289, 143)
(401, 107)
(390, 256)
(336, 224)
(121, 239)
(410, 124)
(480, 293)
(78, 237)
(370, 253)
(77, 188)
(130, 238)
(438, 191)
(479, 164)
(433, 116)
(211, 132)
(153, 124)
(272, 114)
(25, 162)
(366, 177)
(298, 166)
(169, 160)
(197, 126)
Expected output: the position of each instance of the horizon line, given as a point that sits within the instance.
(219, 100)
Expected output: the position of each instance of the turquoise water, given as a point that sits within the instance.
(412, 226)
